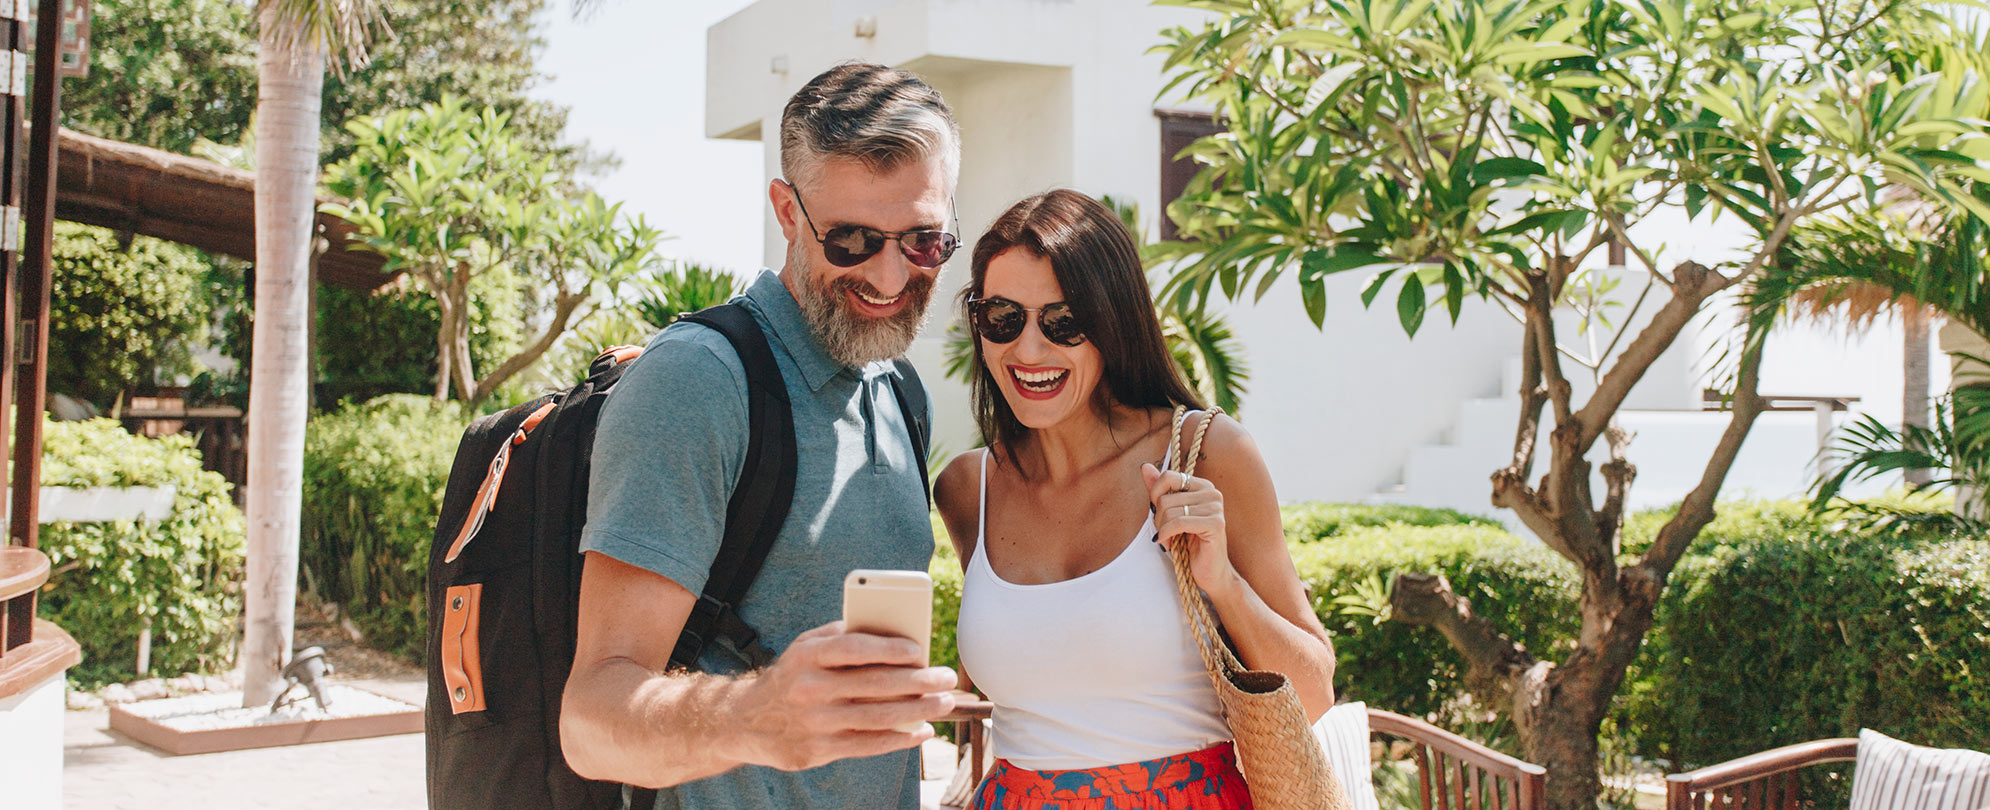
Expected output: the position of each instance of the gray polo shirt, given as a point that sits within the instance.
(671, 440)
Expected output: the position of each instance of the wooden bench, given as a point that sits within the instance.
(1757, 781)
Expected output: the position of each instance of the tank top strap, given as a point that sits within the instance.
(981, 517)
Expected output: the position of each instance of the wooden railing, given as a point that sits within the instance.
(33, 650)
(1454, 773)
(1764, 781)
(968, 713)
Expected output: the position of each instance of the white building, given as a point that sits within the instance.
(1061, 93)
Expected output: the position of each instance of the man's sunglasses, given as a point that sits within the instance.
(851, 245)
(1000, 320)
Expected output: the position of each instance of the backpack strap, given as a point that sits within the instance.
(760, 499)
(912, 404)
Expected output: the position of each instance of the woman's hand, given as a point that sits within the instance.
(1193, 507)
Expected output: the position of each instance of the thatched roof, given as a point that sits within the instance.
(137, 189)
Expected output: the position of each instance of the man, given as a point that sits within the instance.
(870, 156)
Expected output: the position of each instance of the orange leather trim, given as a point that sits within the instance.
(622, 354)
(532, 422)
(493, 481)
(486, 501)
(462, 665)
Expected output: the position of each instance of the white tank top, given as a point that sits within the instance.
(1091, 671)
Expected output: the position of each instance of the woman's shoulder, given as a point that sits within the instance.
(959, 483)
(1227, 448)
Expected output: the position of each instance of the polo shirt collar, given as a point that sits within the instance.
(791, 330)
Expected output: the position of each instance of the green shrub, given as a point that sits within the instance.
(1521, 586)
(181, 575)
(373, 480)
(383, 342)
(947, 579)
(1737, 522)
(122, 317)
(1786, 639)
(1307, 522)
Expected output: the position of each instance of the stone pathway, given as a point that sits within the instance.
(105, 770)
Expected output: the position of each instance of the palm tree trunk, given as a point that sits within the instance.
(1914, 377)
(290, 81)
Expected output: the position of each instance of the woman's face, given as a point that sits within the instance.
(1045, 383)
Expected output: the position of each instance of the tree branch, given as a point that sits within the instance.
(1697, 510)
(1541, 329)
(564, 305)
(1493, 659)
(1693, 284)
(1618, 473)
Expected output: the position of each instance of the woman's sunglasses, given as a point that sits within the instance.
(1000, 320)
(851, 245)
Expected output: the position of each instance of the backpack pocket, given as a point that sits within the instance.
(462, 660)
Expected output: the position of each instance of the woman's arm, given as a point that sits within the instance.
(957, 494)
(1251, 581)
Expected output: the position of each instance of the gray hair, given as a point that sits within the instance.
(877, 115)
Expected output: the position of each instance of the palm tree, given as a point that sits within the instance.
(294, 41)
(1924, 266)
(1862, 303)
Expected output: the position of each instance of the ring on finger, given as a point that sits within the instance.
(1185, 512)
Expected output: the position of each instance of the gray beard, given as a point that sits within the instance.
(852, 339)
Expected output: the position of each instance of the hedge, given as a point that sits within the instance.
(1523, 588)
(373, 480)
(181, 575)
(1787, 639)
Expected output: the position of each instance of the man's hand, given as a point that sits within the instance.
(838, 695)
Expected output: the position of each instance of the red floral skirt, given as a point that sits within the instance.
(1199, 780)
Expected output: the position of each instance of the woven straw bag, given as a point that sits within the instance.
(1282, 762)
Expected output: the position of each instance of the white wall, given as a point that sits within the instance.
(1053, 94)
(31, 746)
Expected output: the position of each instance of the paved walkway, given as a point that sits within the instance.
(105, 770)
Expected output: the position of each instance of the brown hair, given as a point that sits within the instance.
(880, 116)
(1098, 267)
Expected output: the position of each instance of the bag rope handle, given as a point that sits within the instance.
(1216, 657)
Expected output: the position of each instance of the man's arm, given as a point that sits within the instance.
(624, 719)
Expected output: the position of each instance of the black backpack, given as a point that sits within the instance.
(504, 576)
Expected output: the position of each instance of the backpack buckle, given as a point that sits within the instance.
(723, 626)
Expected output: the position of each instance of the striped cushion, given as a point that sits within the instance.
(1892, 775)
(1343, 732)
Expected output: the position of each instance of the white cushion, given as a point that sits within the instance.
(1343, 732)
(1892, 775)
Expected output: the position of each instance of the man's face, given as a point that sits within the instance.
(873, 310)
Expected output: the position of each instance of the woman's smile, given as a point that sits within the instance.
(1039, 382)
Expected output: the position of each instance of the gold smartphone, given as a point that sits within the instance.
(891, 603)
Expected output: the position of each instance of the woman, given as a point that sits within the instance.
(1070, 621)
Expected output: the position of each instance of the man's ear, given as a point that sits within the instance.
(782, 196)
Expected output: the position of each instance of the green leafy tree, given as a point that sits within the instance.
(122, 317)
(650, 303)
(483, 51)
(171, 73)
(1494, 149)
(167, 73)
(454, 198)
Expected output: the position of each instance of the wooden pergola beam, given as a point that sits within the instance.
(195, 202)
